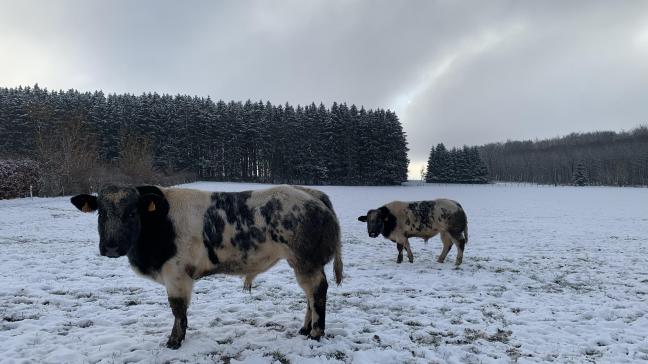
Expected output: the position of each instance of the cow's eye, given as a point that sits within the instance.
(131, 214)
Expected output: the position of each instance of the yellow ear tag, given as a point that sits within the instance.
(151, 206)
(86, 208)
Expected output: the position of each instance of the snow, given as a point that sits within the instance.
(549, 274)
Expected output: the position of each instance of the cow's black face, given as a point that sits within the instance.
(379, 221)
(119, 220)
(122, 213)
(374, 222)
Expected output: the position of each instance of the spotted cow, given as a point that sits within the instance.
(398, 221)
(175, 236)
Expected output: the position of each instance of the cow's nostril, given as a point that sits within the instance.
(110, 251)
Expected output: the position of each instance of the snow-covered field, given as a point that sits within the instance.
(551, 274)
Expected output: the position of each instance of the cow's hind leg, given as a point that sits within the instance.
(247, 284)
(460, 242)
(315, 286)
(410, 255)
(399, 258)
(179, 294)
(447, 245)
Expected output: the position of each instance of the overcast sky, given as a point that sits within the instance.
(457, 72)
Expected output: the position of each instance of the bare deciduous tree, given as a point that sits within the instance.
(136, 159)
(68, 157)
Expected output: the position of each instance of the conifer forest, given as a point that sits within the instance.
(205, 139)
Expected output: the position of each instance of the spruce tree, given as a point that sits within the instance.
(438, 165)
(480, 172)
(463, 169)
(431, 166)
(579, 177)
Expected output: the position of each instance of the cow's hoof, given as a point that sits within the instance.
(174, 343)
(247, 283)
(316, 338)
(399, 260)
(440, 260)
(305, 331)
(315, 334)
(411, 260)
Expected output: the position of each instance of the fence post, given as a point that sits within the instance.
(31, 192)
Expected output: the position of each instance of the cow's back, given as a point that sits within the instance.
(243, 229)
(426, 218)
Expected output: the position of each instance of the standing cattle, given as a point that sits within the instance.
(398, 221)
(175, 236)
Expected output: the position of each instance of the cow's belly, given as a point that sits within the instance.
(424, 234)
(252, 261)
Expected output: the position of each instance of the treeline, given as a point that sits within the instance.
(18, 178)
(455, 166)
(597, 158)
(233, 141)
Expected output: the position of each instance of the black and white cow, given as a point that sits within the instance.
(175, 236)
(398, 221)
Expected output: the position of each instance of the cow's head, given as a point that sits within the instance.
(376, 221)
(122, 213)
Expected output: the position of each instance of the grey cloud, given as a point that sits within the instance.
(465, 72)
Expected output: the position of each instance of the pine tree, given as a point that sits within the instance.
(579, 177)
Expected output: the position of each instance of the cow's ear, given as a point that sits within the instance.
(383, 212)
(362, 218)
(154, 205)
(84, 202)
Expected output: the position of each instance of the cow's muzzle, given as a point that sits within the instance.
(110, 252)
(373, 235)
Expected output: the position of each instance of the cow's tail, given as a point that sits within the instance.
(337, 260)
(337, 263)
(465, 233)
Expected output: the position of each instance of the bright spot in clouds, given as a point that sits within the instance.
(438, 68)
(641, 40)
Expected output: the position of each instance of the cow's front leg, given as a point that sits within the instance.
(410, 256)
(399, 259)
(179, 308)
(179, 294)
